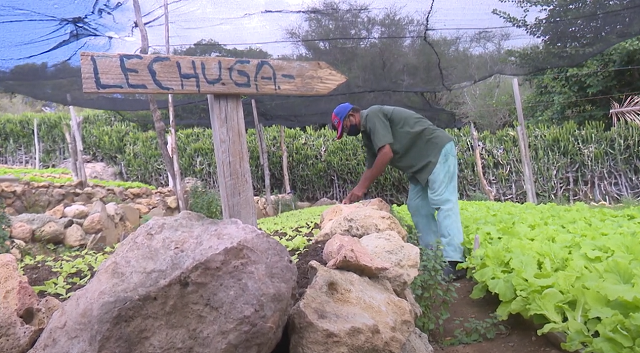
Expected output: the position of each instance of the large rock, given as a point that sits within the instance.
(336, 211)
(346, 253)
(21, 231)
(403, 257)
(22, 315)
(418, 342)
(74, 236)
(96, 170)
(360, 222)
(76, 211)
(342, 312)
(181, 284)
(35, 221)
(52, 232)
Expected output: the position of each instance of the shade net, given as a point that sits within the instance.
(399, 53)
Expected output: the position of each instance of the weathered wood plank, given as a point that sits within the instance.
(164, 74)
(232, 158)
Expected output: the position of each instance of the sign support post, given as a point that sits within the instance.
(224, 81)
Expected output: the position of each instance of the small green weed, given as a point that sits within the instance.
(431, 290)
(205, 201)
(5, 223)
(474, 331)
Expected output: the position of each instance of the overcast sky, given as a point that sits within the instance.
(23, 31)
(233, 22)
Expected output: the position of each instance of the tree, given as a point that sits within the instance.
(571, 31)
(210, 47)
(382, 54)
(588, 54)
(583, 93)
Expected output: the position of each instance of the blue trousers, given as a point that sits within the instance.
(441, 195)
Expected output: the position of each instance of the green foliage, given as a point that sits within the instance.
(571, 268)
(584, 93)
(584, 59)
(474, 330)
(566, 159)
(73, 268)
(488, 104)
(21, 171)
(290, 222)
(378, 64)
(431, 290)
(5, 223)
(213, 48)
(205, 201)
(62, 176)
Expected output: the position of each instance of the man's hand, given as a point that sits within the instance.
(370, 175)
(355, 195)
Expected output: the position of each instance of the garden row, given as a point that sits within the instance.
(569, 163)
(573, 269)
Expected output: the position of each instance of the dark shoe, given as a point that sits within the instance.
(451, 273)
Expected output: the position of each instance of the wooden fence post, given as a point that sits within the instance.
(523, 142)
(264, 158)
(36, 142)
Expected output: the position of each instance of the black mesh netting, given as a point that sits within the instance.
(391, 56)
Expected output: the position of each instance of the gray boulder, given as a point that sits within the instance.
(180, 284)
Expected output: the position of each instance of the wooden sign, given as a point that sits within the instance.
(163, 74)
(224, 81)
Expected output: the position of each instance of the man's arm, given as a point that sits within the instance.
(385, 154)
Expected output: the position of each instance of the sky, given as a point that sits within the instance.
(29, 27)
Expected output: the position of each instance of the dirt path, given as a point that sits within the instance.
(520, 337)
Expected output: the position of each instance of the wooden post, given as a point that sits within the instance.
(158, 125)
(36, 142)
(226, 78)
(232, 158)
(73, 152)
(264, 158)
(173, 142)
(476, 149)
(76, 137)
(171, 183)
(523, 142)
(285, 162)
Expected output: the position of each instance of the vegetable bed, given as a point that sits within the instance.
(573, 269)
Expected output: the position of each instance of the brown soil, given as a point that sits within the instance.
(312, 252)
(38, 273)
(520, 337)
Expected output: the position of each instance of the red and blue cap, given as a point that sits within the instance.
(337, 118)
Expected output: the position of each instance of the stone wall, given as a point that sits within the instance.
(76, 216)
(36, 198)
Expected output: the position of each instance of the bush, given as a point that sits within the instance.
(569, 164)
(205, 201)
